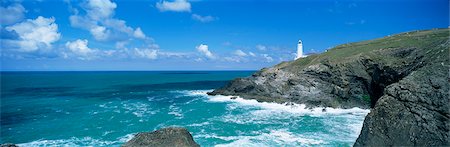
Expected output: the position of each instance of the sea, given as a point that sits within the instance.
(107, 108)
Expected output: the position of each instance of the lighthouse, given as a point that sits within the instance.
(299, 50)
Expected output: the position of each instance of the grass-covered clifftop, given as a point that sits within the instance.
(422, 40)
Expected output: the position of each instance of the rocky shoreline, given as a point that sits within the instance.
(403, 78)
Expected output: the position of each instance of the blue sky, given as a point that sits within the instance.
(195, 35)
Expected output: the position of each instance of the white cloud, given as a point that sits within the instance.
(261, 47)
(173, 54)
(267, 58)
(100, 9)
(232, 59)
(176, 6)
(79, 47)
(239, 53)
(36, 34)
(11, 14)
(146, 53)
(203, 19)
(202, 48)
(121, 44)
(100, 23)
(198, 60)
(252, 54)
(99, 32)
(138, 33)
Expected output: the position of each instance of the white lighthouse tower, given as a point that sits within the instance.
(299, 50)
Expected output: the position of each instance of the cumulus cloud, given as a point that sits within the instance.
(176, 6)
(203, 19)
(80, 47)
(146, 53)
(11, 14)
(100, 9)
(99, 32)
(261, 47)
(267, 58)
(80, 50)
(173, 54)
(239, 53)
(202, 48)
(138, 33)
(36, 34)
(100, 22)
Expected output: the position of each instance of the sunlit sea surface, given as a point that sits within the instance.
(108, 108)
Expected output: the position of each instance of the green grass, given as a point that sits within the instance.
(422, 40)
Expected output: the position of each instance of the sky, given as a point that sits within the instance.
(110, 35)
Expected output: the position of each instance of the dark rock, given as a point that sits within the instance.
(413, 111)
(8, 145)
(172, 136)
(403, 78)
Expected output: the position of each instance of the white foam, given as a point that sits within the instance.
(176, 111)
(286, 107)
(342, 125)
(193, 92)
(272, 138)
(79, 142)
(199, 124)
(70, 142)
(139, 109)
(126, 138)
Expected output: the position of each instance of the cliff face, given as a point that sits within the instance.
(403, 78)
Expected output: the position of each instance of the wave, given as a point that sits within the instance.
(271, 138)
(176, 111)
(285, 107)
(78, 142)
(342, 125)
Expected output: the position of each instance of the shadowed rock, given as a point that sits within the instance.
(172, 136)
(8, 145)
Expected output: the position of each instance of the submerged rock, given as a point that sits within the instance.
(172, 136)
(8, 145)
(403, 78)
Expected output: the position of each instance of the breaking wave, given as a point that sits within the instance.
(78, 142)
(286, 107)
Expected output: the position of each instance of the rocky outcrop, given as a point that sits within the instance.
(173, 137)
(8, 145)
(413, 111)
(403, 78)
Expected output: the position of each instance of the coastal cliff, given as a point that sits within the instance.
(403, 78)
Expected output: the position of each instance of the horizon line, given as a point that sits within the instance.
(122, 70)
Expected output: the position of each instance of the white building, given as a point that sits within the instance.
(299, 50)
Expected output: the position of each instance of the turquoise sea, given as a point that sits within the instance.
(108, 108)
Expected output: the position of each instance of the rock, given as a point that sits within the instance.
(412, 112)
(403, 78)
(8, 145)
(172, 136)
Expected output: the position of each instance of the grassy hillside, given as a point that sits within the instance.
(422, 40)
